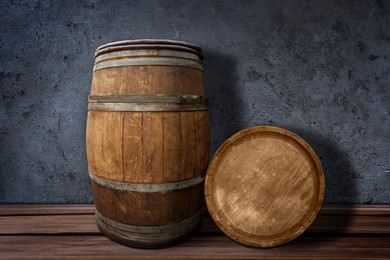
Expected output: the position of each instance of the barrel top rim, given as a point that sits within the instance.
(158, 43)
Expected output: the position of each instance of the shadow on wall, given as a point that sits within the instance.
(222, 90)
(340, 177)
(226, 106)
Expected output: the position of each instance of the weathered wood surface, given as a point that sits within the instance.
(69, 231)
(147, 128)
(173, 80)
(148, 209)
(62, 219)
(264, 186)
(148, 147)
(197, 247)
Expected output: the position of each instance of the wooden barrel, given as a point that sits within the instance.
(147, 140)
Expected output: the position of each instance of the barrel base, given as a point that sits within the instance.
(146, 237)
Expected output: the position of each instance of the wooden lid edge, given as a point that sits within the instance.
(311, 217)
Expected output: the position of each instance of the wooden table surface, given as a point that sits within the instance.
(69, 231)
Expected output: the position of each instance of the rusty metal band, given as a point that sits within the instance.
(142, 107)
(146, 187)
(147, 54)
(147, 233)
(142, 61)
(146, 98)
(146, 102)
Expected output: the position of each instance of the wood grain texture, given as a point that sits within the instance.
(187, 139)
(146, 111)
(104, 144)
(80, 218)
(69, 231)
(45, 209)
(142, 79)
(148, 147)
(48, 224)
(148, 209)
(197, 247)
(153, 153)
(202, 144)
(132, 147)
(264, 186)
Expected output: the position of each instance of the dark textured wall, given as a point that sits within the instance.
(318, 68)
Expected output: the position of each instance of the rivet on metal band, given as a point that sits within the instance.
(148, 233)
(141, 187)
(146, 102)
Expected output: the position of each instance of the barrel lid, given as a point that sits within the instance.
(264, 186)
(149, 44)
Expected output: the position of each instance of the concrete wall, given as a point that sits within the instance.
(318, 68)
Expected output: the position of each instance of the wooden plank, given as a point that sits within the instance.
(202, 136)
(104, 144)
(46, 209)
(172, 147)
(187, 140)
(355, 210)
(153, 147)
(132, 146)
(364, 220)
(69, 231)
(210, 247)
(350, 224)
(48, 224)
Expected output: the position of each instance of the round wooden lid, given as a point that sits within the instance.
(264, 186)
